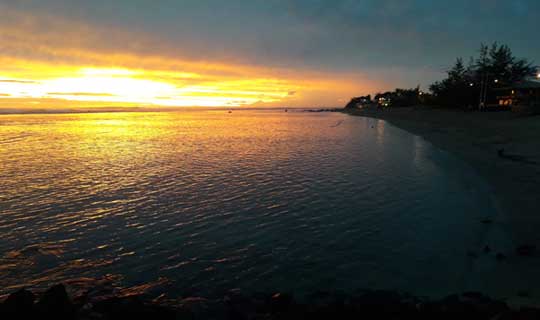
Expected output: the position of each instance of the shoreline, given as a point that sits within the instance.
(475, 138)
(59, 302)
(514, 178)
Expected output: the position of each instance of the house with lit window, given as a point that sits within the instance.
(521, 97)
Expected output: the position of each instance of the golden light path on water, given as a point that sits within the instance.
(254, 199)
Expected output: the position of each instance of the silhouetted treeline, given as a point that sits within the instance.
(359, 102)
(495, 67)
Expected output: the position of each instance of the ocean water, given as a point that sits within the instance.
(205, 201)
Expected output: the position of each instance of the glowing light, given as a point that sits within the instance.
(538, 75)
(146, 87)
(471, 84)
(496, 80)
(148, 81)
(106, 72)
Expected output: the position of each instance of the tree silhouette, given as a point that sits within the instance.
(496, 66)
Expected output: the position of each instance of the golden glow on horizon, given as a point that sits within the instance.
(159, 88)
(47, 61)
(157, 81)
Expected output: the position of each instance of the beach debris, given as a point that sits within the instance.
(526, 250)
(337, 124)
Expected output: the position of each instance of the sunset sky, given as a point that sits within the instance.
(258, 53)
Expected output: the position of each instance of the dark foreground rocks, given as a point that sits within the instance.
(56, 304)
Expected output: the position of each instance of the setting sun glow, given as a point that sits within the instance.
(49, 62)
(145, 88)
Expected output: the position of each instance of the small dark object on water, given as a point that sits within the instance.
(526, 250)
(487, 221)
(230, 111)
(487, 249)
(500, 257)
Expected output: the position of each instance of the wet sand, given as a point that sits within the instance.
(514, 176)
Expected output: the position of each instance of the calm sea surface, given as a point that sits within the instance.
(203, 201)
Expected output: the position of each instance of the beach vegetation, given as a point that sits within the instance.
(467, 86)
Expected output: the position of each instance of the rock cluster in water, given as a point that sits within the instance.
(56, 304)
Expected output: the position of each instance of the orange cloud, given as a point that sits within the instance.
(45, 60)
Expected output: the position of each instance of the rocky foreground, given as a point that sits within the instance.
(55, 303)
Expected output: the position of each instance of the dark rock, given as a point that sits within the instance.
(367, 304)
(386, 303)
(132, 308)
(55, 303)
(528, 313)
(474, 295)
(487, 221)
(471, 305)
(380, 297)
(280, 303)
(526, 250)
(242, 307)
(487, 249)
(327, 305)
(323, 299)
(483, 304)
(18, 305)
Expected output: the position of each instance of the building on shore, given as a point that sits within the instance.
(521, 97)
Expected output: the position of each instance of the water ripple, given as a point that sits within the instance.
(200, 201)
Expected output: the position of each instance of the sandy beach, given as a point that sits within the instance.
(514, 178)
(476, 138)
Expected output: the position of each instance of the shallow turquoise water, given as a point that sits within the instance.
(257, 200)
